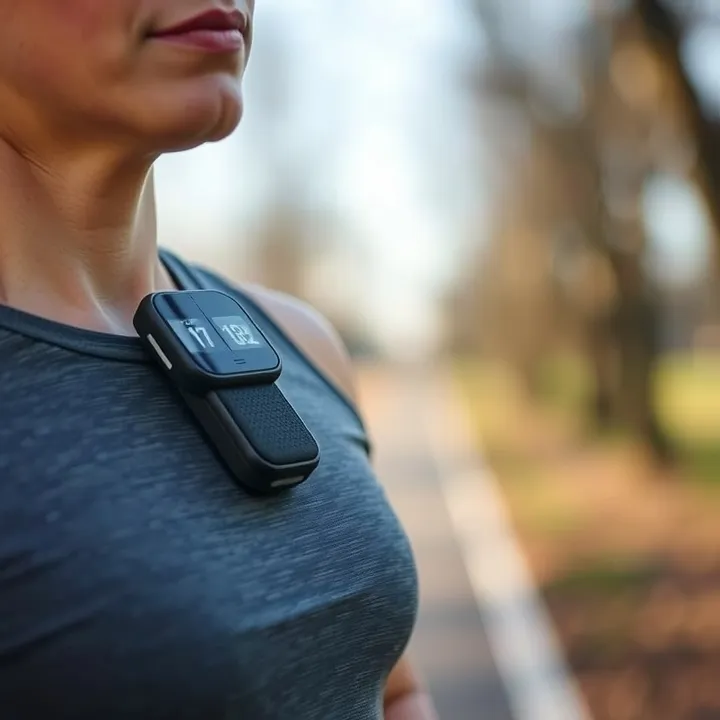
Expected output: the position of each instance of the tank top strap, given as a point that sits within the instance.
(189, 276)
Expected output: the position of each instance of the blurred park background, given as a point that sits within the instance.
(518, 200)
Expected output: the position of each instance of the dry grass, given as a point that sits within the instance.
(629, 559)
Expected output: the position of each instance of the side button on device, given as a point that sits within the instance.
(161, 354)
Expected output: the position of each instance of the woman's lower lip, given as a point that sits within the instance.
(213, 41)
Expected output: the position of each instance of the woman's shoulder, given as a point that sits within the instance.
(302, 324)
(311, 332)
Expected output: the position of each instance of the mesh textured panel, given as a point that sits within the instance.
(270, 423)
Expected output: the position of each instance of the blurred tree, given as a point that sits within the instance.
(670, 27)
(281, 246)
(667, 25)
(297, 235)
(291, 233)
(278, 246)
(596, 136)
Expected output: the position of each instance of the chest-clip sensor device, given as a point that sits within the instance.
(226, 370)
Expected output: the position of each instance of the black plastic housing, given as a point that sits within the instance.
(159, 320)
(200, 338)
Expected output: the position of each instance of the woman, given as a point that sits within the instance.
(136, 580)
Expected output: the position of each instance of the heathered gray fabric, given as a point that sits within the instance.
(137, 581)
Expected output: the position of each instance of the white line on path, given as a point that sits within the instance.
(520, 633)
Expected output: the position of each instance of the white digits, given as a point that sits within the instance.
(239, 334)
(196, 332)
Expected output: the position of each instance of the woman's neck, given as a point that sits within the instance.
(78, 242)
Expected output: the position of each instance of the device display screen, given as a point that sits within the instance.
(237, 332)
(232, 332)
(217, 331)
(197, 335)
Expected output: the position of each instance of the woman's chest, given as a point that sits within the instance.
(129, 557)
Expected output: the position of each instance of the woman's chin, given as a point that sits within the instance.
(173, 124)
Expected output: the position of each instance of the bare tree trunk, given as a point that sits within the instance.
(636, 323)
(664, 31)
(602, 354)
(623, 345)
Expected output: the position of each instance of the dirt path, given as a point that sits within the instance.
(483, 640)
(450, 646)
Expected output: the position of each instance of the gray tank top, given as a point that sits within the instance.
(138, 581)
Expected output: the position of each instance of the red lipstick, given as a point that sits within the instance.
(215, 31)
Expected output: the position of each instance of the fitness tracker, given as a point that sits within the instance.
(225, 369)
